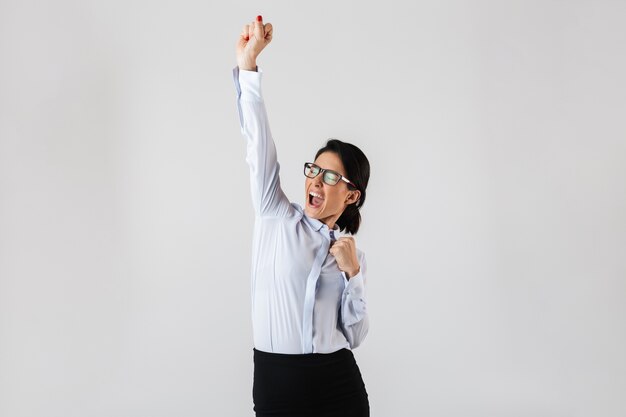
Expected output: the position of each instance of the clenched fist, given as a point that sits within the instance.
(253, 38)
(344, 251)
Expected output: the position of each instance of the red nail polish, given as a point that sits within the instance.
(259, 18)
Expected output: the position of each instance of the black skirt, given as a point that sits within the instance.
(314, 384)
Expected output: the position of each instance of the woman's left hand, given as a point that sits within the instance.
(344, 251)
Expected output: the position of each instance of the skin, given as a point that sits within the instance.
(253, 38)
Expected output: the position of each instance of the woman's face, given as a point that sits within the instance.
(335, 198)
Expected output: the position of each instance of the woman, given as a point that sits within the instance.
(308, 281)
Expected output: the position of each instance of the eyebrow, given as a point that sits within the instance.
(330, 169)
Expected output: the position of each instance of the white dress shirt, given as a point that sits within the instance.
(301, 301)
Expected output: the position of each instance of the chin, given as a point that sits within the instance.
(313, 212)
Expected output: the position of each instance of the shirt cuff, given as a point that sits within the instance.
(355, 286)
(248, 84)
(353, 304)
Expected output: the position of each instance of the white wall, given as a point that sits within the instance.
(495, 223)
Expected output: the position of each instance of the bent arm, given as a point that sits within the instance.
(268, 199)
(354, 317)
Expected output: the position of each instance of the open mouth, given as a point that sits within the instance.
(315, 199)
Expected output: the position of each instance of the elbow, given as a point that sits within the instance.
(357, 332)
(356, 343)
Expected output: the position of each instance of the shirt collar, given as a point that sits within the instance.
(320, 226)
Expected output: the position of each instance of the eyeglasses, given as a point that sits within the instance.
(330, 177)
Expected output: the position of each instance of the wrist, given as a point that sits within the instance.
(353, 272)
(248, 66)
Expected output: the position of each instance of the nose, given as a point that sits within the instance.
(317, 181)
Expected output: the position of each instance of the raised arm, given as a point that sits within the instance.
(268, 199)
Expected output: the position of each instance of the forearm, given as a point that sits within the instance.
(249, 67)
(354, 317)
(261, 156)
(353, 303)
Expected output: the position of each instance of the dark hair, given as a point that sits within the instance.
(358, 171)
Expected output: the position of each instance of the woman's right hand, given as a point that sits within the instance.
(253, 38)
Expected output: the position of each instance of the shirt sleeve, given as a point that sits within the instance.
(268, 199)
(354, 317)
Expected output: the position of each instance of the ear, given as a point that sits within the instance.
(353, 197)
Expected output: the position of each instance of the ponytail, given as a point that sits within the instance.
(350, 219)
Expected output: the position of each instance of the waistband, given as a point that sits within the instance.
(306, 358)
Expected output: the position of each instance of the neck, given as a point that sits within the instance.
(330, 221)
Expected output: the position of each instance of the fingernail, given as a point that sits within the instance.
(259, 18)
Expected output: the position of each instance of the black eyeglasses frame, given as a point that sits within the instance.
(323, 171)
